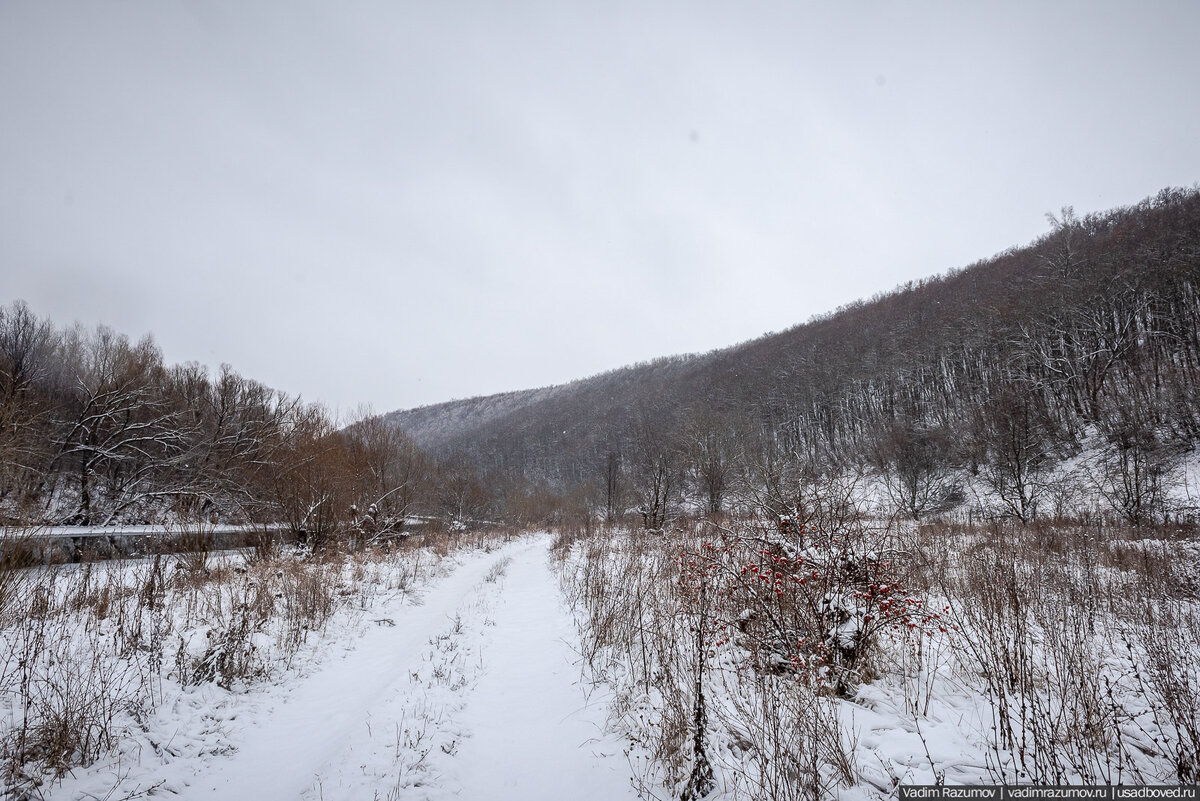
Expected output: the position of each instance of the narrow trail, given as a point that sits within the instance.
(471, 695)
(535, 736)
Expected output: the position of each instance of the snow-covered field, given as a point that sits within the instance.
(464, 684)
(853, 664)
(801, 664)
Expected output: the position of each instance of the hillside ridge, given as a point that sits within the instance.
(1090, 331)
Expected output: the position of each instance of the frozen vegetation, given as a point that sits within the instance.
(430, 672)
(817, 655)
(826, 656)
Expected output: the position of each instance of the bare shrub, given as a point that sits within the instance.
(18, 552)
(1045, 609)
(1163, 646)
(265, 544)
(659, 618)
(1079, 639)
(86, 652)
(798, 745)
(73, 686)
(194, 543)
(497, 571)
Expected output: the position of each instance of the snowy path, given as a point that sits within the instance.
(535, 737)
(472, 695)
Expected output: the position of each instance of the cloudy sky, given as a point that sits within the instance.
(407, 202)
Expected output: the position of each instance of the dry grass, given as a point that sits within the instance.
(642, 632)
(1082, 641)
(88, 651)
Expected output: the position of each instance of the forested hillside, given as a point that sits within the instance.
(986, 386)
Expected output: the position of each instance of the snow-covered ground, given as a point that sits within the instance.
(446, 672)
(1047, 656)
(467, 689)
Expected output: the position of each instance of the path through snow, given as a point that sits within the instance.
(471, 695)
(534, 734)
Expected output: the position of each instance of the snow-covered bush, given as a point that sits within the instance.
(808, 601)
(848, 659)
(717, 660)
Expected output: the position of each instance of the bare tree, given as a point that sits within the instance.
(654, 475)
(389, 471)
(309, 474)
(26, 343)
(461, 493)
(1013, 436)
(118, 430)
(1134, 468)
(711, 454)
(915, 463)
(612, 486)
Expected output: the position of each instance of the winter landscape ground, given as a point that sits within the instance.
(531, 401)
(802, 659)
(447, 676)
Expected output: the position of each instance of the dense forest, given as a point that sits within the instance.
(1058, 378)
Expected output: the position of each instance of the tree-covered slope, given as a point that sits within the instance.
(1002, 368)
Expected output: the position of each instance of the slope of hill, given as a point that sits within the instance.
(445, 428)
(1003, 369)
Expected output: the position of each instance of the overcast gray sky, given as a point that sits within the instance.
(406, 202)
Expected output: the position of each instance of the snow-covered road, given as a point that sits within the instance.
(470, 695)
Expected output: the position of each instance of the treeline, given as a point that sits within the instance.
(96, 429)
(1051, 380)
(1043, 381)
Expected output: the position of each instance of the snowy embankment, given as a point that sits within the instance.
(467, 688)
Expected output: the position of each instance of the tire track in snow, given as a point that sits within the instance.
(494, 712)
(282, 755)
(535, 736)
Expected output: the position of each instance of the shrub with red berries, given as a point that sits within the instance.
(804, 601)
